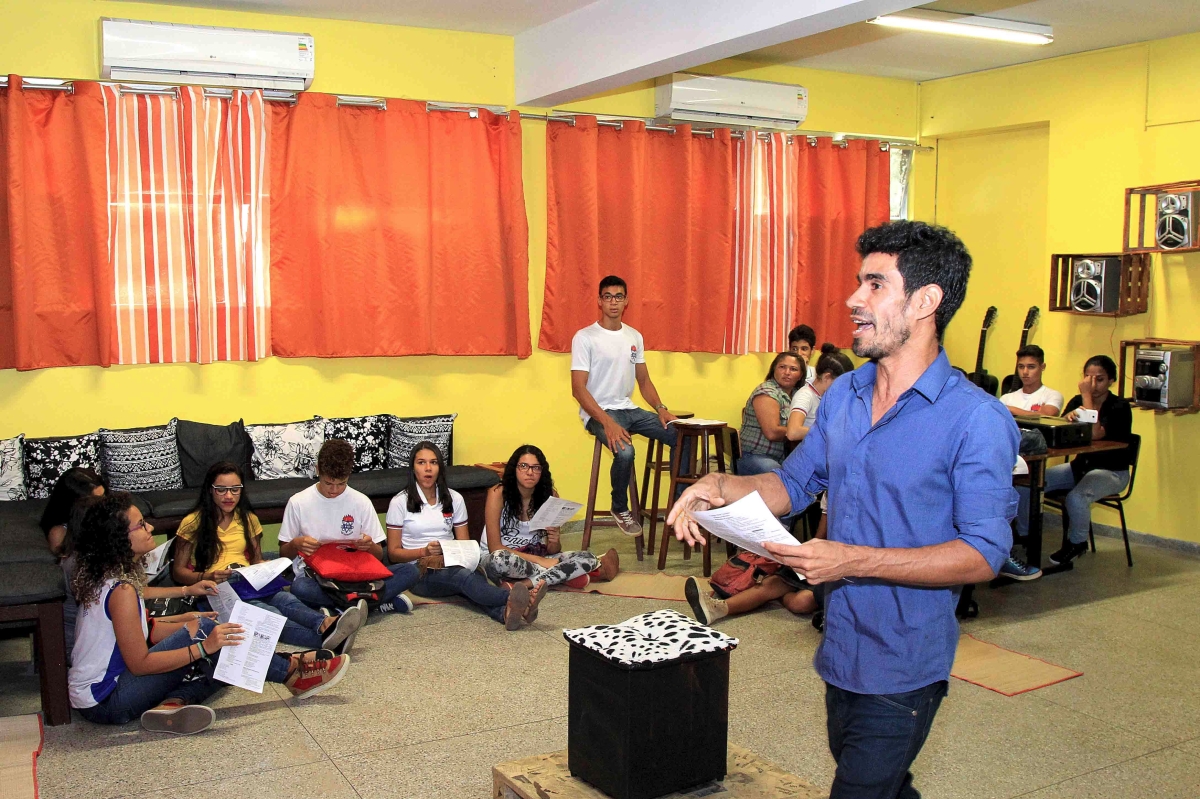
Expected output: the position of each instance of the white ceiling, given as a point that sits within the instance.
(1079, 25)
(480, 16)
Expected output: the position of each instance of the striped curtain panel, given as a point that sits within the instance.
(188, 226)
(764, 247)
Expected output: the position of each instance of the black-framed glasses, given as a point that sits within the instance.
(139, 526)
(612, 297)
(223, 490)
(534, 468)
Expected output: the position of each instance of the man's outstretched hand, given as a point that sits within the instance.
(702, 495)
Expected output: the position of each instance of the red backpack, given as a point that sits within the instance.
(740, 572)
(347, 574)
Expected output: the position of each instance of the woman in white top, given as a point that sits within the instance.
(513, 551)
(830, 366)
(428, 512)
(123, 667)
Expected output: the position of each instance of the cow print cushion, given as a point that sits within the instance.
(142, 459)
(286, 450)
(404, 434)
(47, 458)
(369, 437)
(656, 637)
(12, 469)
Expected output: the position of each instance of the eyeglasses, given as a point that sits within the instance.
(535, 468)
(612, 297)
(139, 526)
(223, 490)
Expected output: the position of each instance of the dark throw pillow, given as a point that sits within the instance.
(47, 458)
(367, 434)
(406, 433)
(201, 445)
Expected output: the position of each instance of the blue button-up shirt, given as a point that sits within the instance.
(937, 467)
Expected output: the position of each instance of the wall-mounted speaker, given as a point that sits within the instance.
(1177, 223)
(1096, 285)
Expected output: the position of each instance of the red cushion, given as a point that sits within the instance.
(344, 562)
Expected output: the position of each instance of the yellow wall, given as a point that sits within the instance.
(501, 402)
(1108, 123)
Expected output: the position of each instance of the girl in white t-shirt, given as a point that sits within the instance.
(428, 512)
(830, 366)
(123, 667)
(513, 551)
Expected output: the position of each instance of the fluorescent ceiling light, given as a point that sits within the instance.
(1000, 30)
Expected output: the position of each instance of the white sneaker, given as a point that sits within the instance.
(626, 523)
(340, 637)
(706, 608)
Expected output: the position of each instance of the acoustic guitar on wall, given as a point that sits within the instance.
(1013, 382)
(980, 377)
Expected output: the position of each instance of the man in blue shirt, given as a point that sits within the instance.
(918, 465)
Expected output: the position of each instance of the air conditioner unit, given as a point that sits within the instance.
(161, 52)
(683, 97)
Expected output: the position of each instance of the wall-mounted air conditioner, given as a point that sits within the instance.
(161, 52)
(683, 97)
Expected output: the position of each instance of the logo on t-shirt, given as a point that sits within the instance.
(347, 525)
(633, 354)
(1036, 407)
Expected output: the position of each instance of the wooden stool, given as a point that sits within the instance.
(655, 464)
(699, 434)
(589, 520)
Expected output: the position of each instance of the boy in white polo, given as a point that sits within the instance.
(1032, 398)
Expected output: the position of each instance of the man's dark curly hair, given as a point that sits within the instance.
(102, 549)
(512, 492)
(336, 459)
(926, 254)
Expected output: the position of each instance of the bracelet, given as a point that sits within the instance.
(660, 407)
(203, 654)
(191, 659)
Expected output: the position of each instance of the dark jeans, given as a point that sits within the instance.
(303, 625)
(638, 422)
(308, 591)
(135, 694)
(875, 738)
(457, 581)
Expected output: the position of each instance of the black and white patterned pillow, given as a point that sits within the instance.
(141, 458)
(12, 469)
(47, 458)
(655, 637)
(367, 434)
(286, 450)
(406, 433)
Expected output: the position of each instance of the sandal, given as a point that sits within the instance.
(517, 607)
(530, 615)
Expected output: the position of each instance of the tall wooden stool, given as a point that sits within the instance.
(589, 520)
(655, 464)
(699, 434)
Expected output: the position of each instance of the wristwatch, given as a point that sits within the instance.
(660, 407)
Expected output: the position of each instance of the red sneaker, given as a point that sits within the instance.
(580, 582)
(312, 677)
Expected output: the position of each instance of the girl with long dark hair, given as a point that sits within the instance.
(515, 552)
(428, 512)
(221, 533)
(832, 364)
(123, 668)
(72, 484)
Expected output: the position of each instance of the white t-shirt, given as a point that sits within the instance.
(610, 358)
(429, 523)
(806, 401)
(346, 517)
(1034, 402)
(810, 375)
(96, 662)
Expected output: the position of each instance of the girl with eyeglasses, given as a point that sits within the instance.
(515, 553)
(222, 532)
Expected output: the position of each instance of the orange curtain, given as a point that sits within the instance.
(55, 284)
(397, 231)
(842, 191)
(654, 208)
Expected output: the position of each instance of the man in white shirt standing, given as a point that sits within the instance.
(1033, 398)
(607, 358)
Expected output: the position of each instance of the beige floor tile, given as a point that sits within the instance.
(1165, 774)
(1173, 607)
(313, 779)
(1192, 747)
(451, 768)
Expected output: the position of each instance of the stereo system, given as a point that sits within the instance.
(1163, 377)
(1177, 223)
(1096, 285)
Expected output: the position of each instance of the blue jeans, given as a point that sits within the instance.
(303, 625)
(457, 581)
(135, 694)
(753, 463)
(1096, 484)
(638, 422)
(308, 591)
(875, 738)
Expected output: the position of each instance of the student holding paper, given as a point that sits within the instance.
(918, 465)
(222, 533)
(428, 512)
(517, 553)
(125, 669)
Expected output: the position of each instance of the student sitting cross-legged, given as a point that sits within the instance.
(332, 511)
(124, 668)
(221, 533)
(428, 512)
(514, 552)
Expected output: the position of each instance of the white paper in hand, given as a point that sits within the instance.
(554, 512)
(245, 665)
(154, 560)
(461, 553)
(224, 602)
(260, 574)
(747, 523)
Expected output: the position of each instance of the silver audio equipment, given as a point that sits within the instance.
(1177, 221)
(1163, 377)
(1096, 285)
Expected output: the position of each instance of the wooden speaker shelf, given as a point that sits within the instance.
(1132, 296)
(1134, 344)
(1142, 216)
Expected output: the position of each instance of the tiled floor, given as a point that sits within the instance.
(433, 700)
